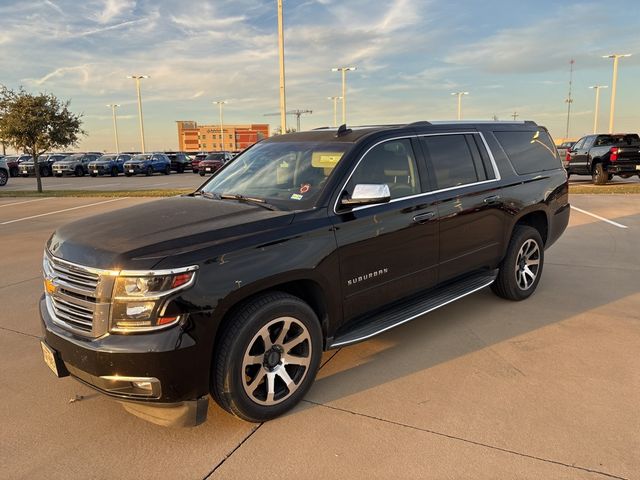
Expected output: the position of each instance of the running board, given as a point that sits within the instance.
(416, 306)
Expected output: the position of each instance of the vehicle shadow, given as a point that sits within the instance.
(482, 319)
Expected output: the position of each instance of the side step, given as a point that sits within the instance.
(414, 307)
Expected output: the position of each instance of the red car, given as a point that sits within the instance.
(213, 162)
(196, 158)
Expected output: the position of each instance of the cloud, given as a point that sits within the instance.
(111, 9)
(81, 71)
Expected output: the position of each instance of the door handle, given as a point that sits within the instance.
(424, 217)
(492, 199)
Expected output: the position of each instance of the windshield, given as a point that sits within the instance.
(141, 157)
(76, 157)
(289, 175)
(42, 158)
(215, 156)
(106, 158)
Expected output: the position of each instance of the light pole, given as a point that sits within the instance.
(220, 103)
(596, 110)
(137, 78)
(459, 95)
(113, 107)
(283, 100)
(335, 109)
(616, 57)
(343, 71)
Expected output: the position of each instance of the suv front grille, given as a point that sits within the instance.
(75, 303)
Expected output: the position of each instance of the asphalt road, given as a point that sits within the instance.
(173, 181)
(482, 388)
(139, 182)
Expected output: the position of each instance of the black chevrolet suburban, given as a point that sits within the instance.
(305, 242)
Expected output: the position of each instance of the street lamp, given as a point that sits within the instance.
(595, 114)
(113, 107)
(283, 100)
(335, 109)
(220, 103)
(137, 78)
(616, 57)
(344, 71)
(459, 95)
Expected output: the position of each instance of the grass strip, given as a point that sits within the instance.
(605, 189)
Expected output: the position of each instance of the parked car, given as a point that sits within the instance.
(45, 163)
(180, 161)
(4, 172)
(196, 158)
(214, 162)
(109, 164)
(76, 164)
(564, 147)
(306, 242)
(147, 163)
(13, 162)
(604, 155)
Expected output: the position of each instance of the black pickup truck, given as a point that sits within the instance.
(605, 155)
(305, 242)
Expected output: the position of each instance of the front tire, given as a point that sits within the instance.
(521, 268)
(114, 171)
(267, 357)
(4, 177)
(149, 171)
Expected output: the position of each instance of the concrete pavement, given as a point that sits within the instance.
(482, 388)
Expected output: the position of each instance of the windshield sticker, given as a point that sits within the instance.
(296, 196)
(305, 187)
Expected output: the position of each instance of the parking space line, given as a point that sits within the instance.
(61, 211)
(157, 184)
(615, 224)
(20, 203)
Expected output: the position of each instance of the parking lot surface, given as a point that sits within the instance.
(482, 388)
(138, 182)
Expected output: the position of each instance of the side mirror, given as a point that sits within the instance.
(367, 194)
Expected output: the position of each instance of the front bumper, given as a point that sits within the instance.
(171, 357)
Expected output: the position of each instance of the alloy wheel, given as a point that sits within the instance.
(527, 264)
(276, 361)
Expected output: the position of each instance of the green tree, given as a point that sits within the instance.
(36, 124)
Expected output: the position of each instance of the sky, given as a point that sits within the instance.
(511, 56)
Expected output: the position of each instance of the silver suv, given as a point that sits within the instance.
(4, 172)
(76, 164)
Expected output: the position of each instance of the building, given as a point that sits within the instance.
(194, 138)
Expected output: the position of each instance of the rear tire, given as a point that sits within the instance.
(114, 171)
(598, 175)
(521, 267)
(78, 172)
(4, 177)
(149, 171)
(128, 174)
(167, 170)
(267, 357)
(45, 172)
(202, 174)
(14, 172)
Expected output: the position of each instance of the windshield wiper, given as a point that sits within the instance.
(241, 198)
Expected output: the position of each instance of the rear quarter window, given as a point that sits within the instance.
(529, 151)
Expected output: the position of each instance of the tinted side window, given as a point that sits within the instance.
(529, 151)
(451, 160)
(578, 145)
(391, 163)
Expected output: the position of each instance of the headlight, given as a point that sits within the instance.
(138, 299)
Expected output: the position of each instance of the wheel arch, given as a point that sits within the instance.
(537, 219)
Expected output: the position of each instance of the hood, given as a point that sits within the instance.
(65, 162)
(136, 162)
(101, 162)
(139, 237)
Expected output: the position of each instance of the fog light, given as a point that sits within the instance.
(143, 386)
